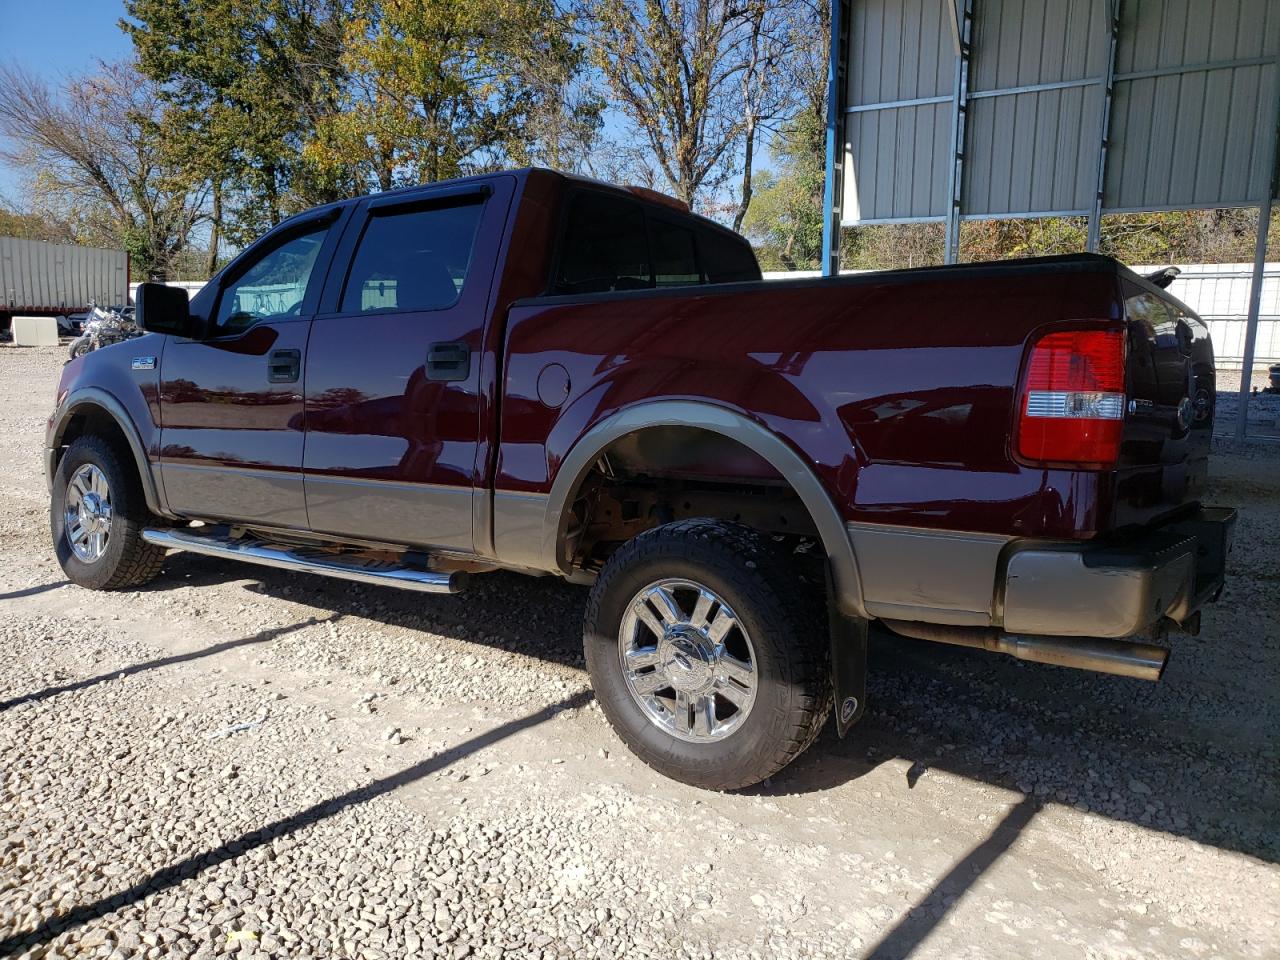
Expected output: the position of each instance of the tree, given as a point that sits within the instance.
(245, 83)
(675, 70)
(437, 88)
(93, 155)
(27, 225)
(785, 217)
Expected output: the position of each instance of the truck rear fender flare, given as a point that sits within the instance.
(94, 399)
(716, 419)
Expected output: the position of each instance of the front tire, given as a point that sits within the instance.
(96, 518)
(709, 653)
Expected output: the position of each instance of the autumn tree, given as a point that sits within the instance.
(438, 88)
(245, 83)
(93, 158)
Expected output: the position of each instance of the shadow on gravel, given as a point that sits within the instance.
(195, 864)
(32, 591)
(921, 919)
(1056, 735)
(1165, 756)
(217, 648)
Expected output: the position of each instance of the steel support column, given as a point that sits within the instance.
(833, 190)
(960, 100)
(1111, 20)
(1259, 265)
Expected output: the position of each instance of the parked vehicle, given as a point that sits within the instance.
(537, 372)
(58, 280)
(101, 328)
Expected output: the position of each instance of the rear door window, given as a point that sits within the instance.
(675, 255)
(726, 257)
(604, 247)
(412, 259)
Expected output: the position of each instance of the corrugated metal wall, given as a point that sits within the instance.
(901, 53)
(1194, 101)
(53, 276)
(1035, 149)
(1185, 136)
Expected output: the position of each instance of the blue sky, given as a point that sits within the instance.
(57, 38)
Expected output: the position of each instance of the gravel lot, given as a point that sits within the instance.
(239, 760)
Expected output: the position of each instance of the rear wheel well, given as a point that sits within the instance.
(665, 473)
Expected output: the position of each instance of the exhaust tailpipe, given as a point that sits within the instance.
(1124, 658)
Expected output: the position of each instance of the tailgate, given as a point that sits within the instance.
(1169, 421)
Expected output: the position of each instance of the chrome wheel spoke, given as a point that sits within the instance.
(645, 613)
(738, 696)
(702, 609)
(734, 669)
(666, 606)
(647, 684)
(704, 716)
(721, 625)
(99, 542)
(683, 703)
(640, 657)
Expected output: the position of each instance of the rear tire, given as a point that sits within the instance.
(745, 646)
(94, 483)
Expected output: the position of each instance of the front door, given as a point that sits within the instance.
(392, 374)
(232, 401)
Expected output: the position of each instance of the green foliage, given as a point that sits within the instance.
(244, 83)
(784, 221)
(438, 88)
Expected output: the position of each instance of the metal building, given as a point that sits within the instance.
(946, 110)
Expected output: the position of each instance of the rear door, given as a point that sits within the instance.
(232, 402)
(393, 367)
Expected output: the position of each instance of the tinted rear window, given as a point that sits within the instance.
(675, 256)
(604, 246)
(613, 243)
(726, 258)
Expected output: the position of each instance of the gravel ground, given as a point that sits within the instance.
(239, 760)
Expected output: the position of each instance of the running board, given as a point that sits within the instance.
(304, 560)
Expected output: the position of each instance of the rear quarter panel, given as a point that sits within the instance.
(897, 388)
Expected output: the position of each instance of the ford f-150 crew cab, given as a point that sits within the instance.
(536, 372)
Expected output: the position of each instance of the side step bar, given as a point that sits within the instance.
(302, 560)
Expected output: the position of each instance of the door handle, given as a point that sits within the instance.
(448, 361)
(284, 366)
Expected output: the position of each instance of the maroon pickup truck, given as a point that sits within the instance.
(537, 372)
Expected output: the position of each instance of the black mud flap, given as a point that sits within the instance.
(848, 663)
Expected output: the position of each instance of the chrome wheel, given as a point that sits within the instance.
(688, 662)
(87, 513)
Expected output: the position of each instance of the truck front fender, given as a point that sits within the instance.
(95, 400)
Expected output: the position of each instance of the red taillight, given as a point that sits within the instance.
(1071, 410)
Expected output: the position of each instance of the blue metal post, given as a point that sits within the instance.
(835, 123)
